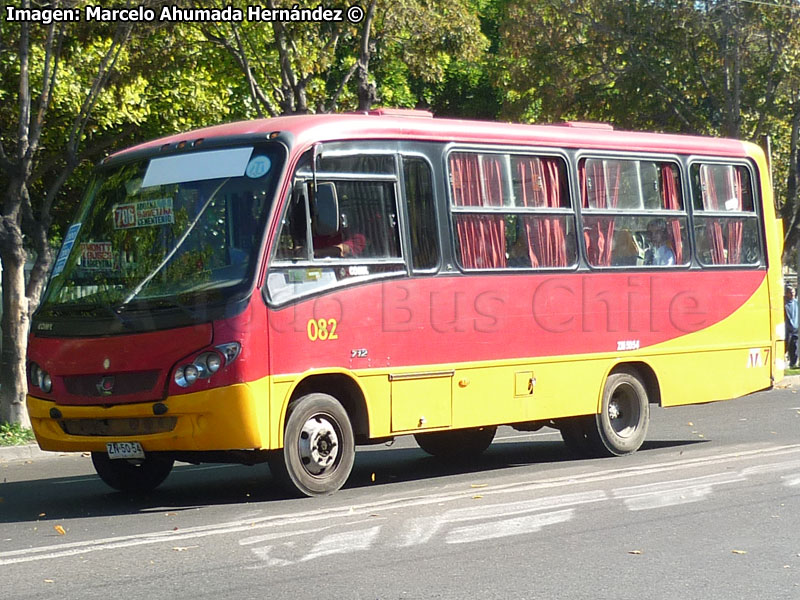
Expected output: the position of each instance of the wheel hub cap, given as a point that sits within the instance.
(623, 411)
(319, 445)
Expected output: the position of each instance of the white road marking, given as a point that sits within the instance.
(259, 539)
(271, 561)
(511, 508)
(791, 480)
(54, 551)
(789, 465)
(422, 529)
(508, 527)
(673, 493)
(342, 543)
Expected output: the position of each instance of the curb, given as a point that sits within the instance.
(789, 381)
(26, 452)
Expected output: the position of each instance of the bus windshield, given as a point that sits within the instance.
(166, 231)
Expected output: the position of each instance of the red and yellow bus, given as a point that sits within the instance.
(284, 290)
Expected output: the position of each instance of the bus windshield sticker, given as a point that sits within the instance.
(66, 247)
(97, 255)
(198, 166)
(258, 167)
(147, 213)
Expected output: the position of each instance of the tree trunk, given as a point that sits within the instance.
(13, 379)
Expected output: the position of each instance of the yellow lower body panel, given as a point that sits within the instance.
(230, 418)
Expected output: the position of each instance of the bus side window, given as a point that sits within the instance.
(292, 244)
(421, 213)
(725, 221)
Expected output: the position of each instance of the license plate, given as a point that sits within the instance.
(124, 450)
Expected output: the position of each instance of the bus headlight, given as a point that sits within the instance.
(230, 351)
(35, 374)
(206, 364)
(190, 374)
(40, 378)
(47, 383)
(179, 378)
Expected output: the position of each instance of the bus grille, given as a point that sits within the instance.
(118, 427)
(124, 383)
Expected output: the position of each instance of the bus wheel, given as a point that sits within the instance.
(127, 476)
(318, 447)
(456, 444)
(624, 415)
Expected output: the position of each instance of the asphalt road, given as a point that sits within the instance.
(709, 508)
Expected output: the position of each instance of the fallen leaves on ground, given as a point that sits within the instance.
(739, 551)
(59, 530)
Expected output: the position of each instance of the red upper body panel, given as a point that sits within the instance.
(307, 129)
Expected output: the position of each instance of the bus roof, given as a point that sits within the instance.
(419, 125)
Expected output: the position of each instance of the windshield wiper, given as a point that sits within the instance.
(175, 248)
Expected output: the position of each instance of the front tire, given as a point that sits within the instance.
(129, 476)
(457, 444)
(318, 447)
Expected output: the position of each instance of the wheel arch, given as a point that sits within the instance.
(642, 370)
(343, 386)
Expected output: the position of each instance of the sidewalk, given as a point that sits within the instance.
(32, 452)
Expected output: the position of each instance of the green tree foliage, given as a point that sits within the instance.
(71, 92)
(721, 67)
(397, 52)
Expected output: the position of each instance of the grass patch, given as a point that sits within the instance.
(15, 435)
(792, 372)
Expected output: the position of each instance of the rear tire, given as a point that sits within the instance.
(318, 447)
(621, 425)
(457, 444)
(624, 415)
(129, 476)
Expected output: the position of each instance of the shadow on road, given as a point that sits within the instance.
(195, 486)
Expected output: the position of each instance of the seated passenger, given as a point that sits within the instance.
(659, 253)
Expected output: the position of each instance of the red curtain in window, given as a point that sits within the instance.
(669, 195)
(481, 237)
(540, 183)
(713, 227)
(598, 237)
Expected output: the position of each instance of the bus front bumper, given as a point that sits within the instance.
(230, 418)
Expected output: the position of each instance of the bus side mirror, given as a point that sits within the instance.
(325, 210)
